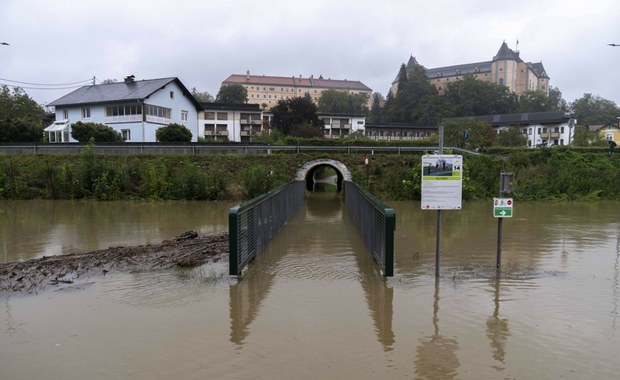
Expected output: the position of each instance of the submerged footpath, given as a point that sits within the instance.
(184, 251)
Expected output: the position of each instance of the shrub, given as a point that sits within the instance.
(87, 132)
(173, 133)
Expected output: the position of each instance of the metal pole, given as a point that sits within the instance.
(499, 243)
(438, 242)
(498, 262)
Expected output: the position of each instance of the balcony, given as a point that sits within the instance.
(123, 119)
(222, 133)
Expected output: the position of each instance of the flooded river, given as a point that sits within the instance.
(314, 306)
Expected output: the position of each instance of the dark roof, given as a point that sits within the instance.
(519, 118)
(538, 69)
(467, 68)
(505, 53)
(412, 63)
(400, 126)
(311, 82)
(119, 92)
(229, 106)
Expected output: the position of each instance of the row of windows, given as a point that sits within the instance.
(543, 130)
(157, 111)
(123, 110)
(212, 115)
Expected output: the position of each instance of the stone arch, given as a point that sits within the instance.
(306, 172)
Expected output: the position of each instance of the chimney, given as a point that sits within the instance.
(247, 75)
(129, 79)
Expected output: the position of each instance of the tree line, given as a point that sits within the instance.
(416, 102)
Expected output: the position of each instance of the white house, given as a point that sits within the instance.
(539, 128)
(135, 109)
(230, 122)
(338, 126)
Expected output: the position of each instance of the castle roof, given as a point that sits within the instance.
(292, 81)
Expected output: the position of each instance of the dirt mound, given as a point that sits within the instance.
(185, 250)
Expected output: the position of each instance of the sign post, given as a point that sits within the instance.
(502, 208)
(442, 188)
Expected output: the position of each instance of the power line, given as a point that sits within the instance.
(39, 88)
(49, 84)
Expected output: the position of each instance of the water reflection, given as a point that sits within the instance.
(497, 328)
(320, 242)
(436, 355)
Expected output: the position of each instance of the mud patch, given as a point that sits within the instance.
(72, 271)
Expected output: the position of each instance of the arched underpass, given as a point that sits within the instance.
(309, 170)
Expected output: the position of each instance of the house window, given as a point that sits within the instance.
(126, 133)
(609, 136)
(157, 111)
(123, 110)
(209, 115)
(171, 94)
(184, 116)
(85, 112)
(65, 114)
(222, 115)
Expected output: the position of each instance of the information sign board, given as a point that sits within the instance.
(442, 182)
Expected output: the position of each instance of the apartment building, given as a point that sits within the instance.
(266, 90)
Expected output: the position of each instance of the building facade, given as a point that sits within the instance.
(266, 91)
(506, 69)
(398, 132)
(134, 109)
(541, 129)
(231, 122)
(341, 126)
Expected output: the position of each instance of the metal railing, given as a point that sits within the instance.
(253, 224)
(375, 222)
(200, 149)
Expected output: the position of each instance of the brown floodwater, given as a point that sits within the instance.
(314, 305)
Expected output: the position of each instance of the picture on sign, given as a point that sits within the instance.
(442, 182)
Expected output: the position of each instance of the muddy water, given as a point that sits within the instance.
(315, 307)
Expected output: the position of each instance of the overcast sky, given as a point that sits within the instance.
(203, 42)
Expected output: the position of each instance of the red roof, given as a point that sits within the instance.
(297, 82)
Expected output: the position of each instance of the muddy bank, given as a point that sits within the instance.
(186, 250)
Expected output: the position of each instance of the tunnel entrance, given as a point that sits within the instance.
(323, 171)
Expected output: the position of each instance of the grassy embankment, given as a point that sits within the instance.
(541, 174)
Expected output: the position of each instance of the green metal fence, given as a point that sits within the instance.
(253, 224)
(375, 222)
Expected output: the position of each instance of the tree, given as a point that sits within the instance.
(334, 101)
(83, 132)
(534, 101)
(557, 102)
(173, 133)
(294, 114)
(20, 130)
(593, 110)
(232, 93)
(17, 104)
(468, 133)
(511, 137)
(376, 112)
(469, 96)
(202, 97)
